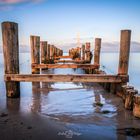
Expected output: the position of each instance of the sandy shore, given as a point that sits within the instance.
(35, 125)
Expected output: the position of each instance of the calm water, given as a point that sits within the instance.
(75, 102)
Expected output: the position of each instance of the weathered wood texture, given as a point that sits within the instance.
(97, 51)
(124, 52)
(62, 57)
(44, 45)
(136, 109)
(87, 47)
(11, 56)
(51, 51)
(48, 52)
(35, 52)
(66, 78)
(72, 61)
(129, 100)
(53, 66)
(83, 52)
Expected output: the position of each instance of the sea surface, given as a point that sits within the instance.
(75, 103)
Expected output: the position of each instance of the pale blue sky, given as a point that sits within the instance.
(57, 20)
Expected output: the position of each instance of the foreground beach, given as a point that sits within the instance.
(86, 112)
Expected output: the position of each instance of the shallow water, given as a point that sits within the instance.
(74, 103)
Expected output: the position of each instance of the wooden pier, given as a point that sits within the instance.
(51, 57)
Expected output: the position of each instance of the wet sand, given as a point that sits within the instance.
(60, 111)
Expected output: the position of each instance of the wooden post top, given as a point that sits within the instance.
(9, 22)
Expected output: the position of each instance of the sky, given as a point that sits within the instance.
(59, 21)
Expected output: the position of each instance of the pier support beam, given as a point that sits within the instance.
(35, 57)
(88, 51)
(83, 52)
(35, 52)
(11, 56)
(97, 51)
(124, 56)
(124, 52)
(43, 46)
(48, 53)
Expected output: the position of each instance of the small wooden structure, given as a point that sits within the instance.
(50, 57)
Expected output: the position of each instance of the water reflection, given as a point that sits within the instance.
(74, 103)
(13, 105)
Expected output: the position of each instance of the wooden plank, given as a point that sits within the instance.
(97, 78)
(63, 57)
(73, 66)
(71, 61)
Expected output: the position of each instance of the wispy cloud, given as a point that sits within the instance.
(17, 1)
(6, 5)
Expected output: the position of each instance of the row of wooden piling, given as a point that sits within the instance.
(49, 53)
(84, 53)
(43, 50)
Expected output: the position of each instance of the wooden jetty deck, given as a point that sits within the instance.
(50, 56)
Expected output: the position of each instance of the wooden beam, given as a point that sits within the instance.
(73, 66)
(63, 57)
(71, 61)
(95, 78)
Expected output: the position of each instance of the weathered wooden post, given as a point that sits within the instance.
(136, 109)
(124, 57)
(43, 46)
(88, 52)
(48, 53)
(124, 52)
(83, 52)
(51, 52)
(35, 52)
(11, 56)
(97, 50)
(35, 57)
(129, 100)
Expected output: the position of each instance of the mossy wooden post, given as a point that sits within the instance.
(44, 51)
(83, 52)
(11, 56)
(87, 51)
(97, 51)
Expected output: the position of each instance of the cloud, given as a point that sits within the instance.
(6, 5)
(17, 1)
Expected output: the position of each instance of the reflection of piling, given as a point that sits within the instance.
(11, 56)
